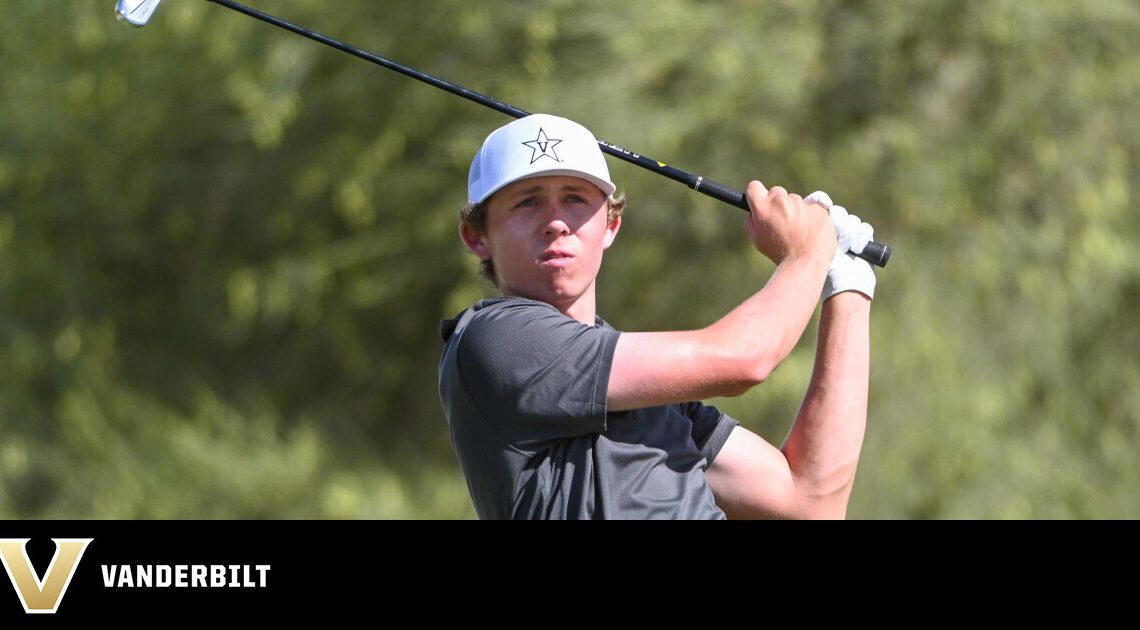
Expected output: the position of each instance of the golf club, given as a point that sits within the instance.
(139, 12)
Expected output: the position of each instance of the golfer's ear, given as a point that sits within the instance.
(473, 239)
(611, 231)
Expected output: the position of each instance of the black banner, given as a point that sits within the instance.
(220, 572)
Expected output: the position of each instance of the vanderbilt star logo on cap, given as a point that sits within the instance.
(505, 158)
(543, 147)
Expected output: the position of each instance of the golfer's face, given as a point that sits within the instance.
(546, 236)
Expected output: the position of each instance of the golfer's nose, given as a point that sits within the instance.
(555, 226)
(556, 220)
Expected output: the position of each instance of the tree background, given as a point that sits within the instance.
(225, 249)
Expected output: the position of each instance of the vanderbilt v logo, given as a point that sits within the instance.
(42, 596)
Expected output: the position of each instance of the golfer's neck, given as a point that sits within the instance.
(583, 309)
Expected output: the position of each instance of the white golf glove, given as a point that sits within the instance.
(847, 272)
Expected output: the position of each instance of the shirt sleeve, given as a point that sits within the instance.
(711, 428)
(535, 374)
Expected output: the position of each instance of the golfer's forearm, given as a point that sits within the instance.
(725, 359)
(761, 332)
(823, 446)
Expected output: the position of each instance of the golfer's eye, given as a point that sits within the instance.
(575, 199)
(528, 202)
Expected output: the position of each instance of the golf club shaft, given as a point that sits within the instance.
(874, 253)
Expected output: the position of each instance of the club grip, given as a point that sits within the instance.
(877, 254)
(717, 190)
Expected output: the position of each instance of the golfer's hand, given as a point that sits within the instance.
(847, 272)
(783, 225)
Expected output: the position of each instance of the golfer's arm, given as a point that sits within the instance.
(726, 358)
(812, 475)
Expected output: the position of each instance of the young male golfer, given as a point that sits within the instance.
(555, 415)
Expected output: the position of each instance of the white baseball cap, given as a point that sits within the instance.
(537, 145)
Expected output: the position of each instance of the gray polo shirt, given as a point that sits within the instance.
(524, 391)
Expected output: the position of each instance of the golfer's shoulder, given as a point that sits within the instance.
(500, 323)
(517, 328)
(510, 313)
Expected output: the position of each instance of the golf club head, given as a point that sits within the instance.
(135, 12)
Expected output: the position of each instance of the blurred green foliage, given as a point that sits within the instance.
(224, 249)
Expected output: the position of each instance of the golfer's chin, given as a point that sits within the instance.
(559, 290)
